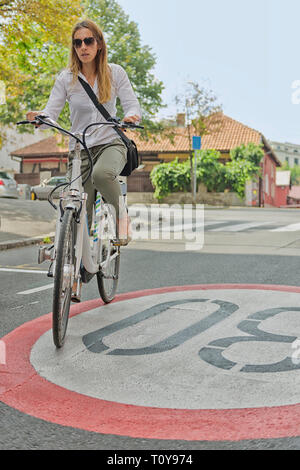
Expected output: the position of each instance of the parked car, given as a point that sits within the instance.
(8, 186)
(42, 190)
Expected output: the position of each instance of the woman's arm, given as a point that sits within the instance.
(55, 103)
(128, 99)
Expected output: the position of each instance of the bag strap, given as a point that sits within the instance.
(101, 108)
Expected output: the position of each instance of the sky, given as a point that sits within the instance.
(246, 51)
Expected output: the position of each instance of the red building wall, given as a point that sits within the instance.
(282, 193)
(269, 181)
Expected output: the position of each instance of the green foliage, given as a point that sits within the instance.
(295, 173)
(171, 177)
(39, 67)
(217, 177)
(34, 41)
(210, 171)
(124, 48)
(252, 153)
(36, 48)
(201, 108)
(244, 165)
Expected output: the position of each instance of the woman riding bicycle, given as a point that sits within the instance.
(88, 60)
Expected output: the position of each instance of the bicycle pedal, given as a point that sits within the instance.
(50, 272)
(76, 291)
(45, 253)
(121, 242)
(86, 277)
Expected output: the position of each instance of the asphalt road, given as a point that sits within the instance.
(161, 265)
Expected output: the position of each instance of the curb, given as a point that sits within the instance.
(24, 242)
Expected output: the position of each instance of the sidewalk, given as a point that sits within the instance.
(14, 240)
(16, 236)
(25, 223)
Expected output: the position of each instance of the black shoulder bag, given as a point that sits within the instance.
(133, 159)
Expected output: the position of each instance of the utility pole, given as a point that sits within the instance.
(196, 149)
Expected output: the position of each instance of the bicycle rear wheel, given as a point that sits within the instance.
(63, 278)
(108, 276)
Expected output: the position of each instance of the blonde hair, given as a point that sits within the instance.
(102, 68)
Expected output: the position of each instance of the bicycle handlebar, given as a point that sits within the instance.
(114, 122)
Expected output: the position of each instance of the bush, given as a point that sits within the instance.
(210, 171)
(176, 176)
(244, 166)
(171, 177)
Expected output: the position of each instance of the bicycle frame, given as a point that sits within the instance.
(74, 260)
(75, 199)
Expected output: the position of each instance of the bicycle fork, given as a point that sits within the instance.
(75, 200)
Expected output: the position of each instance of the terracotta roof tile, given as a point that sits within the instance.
(230, 135)
(51, 146)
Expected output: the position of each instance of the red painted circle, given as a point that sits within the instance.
(22, 388)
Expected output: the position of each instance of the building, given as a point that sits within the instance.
(283, 186)
(13, 139)
(49, 156)
(230, 135)
(41, 160)
(287, 152)
(294, 196)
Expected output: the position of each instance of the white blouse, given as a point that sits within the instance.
(83, 111)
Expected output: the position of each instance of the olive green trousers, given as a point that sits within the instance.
(109, 160)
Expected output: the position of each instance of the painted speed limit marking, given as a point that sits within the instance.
(212, 362)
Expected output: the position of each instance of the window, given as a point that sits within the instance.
(296, 161)
(5, 175)
(267, 184)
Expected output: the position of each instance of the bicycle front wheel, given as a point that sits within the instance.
(63, 278)
(108, 276)
(108, 280)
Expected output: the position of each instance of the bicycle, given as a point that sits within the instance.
(77, 255)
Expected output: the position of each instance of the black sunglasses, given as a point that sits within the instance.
(87, 41)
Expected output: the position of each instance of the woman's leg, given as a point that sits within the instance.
(109, 161)
(88, 187)
(105, 176)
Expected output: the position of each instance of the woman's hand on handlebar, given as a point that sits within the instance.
(30, 116)
(132, 122)
(135, 119)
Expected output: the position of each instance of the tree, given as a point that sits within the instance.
(211, 172)
(54, 17)
(244, 165)
(35, 41)
(295, 173)
(125, 48)
(217, 177)
(176, 176)
(34, 38)
(204, 116)
(170, 177)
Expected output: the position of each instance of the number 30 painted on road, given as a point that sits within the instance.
(213, 352)
(213, 355)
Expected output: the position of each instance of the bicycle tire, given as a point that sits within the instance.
(108, 281)
(65, 261)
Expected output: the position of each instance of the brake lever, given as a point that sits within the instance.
(41, 116)
(131, 125)
(23, 122)
(34, 121)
